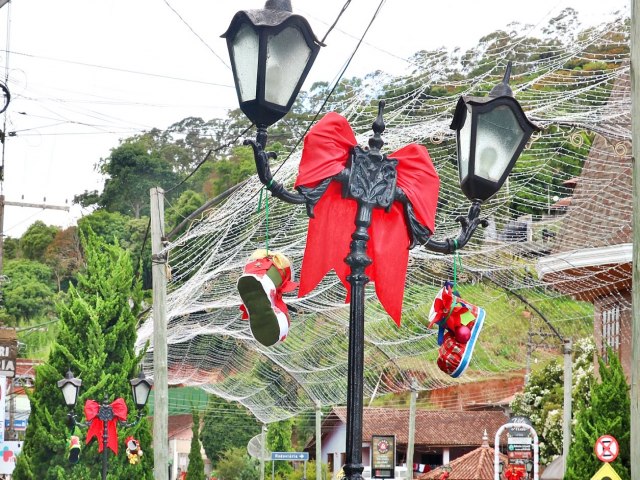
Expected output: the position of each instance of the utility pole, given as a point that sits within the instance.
(160, 383)
(412, 427)
(263, 450)
(567, 349)
(318, 442)
(635, 282)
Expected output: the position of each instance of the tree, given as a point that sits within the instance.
(97, 332)
(542, 398)
(279, 440)
(36, 239)
(63, 255)
(609, 413)
(29, 290)
(195, 471)
(132, 170)
(226, 426)
(235, 464)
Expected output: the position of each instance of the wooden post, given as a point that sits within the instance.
(412, 428)
(318, 442)
(160, 383)
(635, 296)
(566, 414)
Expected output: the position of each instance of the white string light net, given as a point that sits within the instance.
(577, 89)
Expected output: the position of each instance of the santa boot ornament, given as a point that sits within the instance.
(459, 323)
(264, 279)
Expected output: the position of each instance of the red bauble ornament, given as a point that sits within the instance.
(463, 334)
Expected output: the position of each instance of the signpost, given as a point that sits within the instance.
(606, 448)
(522, 447)
(8, 352)
(288, 457)
(383, 456)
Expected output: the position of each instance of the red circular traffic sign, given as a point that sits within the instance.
(606, 448)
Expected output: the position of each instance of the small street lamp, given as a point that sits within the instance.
(106, 412)
(491, 134)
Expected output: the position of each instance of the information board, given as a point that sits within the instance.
(383, 456)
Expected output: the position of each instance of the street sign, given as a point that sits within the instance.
(520, 440)
(290, 456)
(606, 472)
(606, 448)
(518, 447)
(519, 431)
(8, 352)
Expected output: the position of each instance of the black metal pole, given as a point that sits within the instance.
(358, 261)
(105, 451)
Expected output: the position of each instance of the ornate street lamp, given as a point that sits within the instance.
(70, 386)
(492, 133)
(140, 388)
(105, 413)
(272, 51)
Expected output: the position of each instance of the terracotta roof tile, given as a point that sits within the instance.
(433, 427)
(475, 465)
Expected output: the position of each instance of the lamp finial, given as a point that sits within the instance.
(283, 5)
(503, 89)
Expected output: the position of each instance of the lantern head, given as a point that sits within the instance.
(491, 133)
(271, 51)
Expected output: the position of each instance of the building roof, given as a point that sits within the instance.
(433, 427)
(475, 465)
(180, 427)
(584, 260)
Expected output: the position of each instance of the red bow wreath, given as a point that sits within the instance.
(326, 151)
(96, 425)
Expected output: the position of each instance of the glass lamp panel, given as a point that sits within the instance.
(287, 57)
(141, 393)
(70, 393)
(497, 140)
(245, 56)
(464, 141)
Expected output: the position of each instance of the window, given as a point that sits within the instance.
(610, 329)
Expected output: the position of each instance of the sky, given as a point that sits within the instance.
(85, 74)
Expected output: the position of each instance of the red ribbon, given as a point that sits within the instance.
(96, 425)
(326, 150)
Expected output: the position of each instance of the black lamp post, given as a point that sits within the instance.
(488, 140)
(70, 387)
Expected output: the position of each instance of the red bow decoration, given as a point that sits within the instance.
(514, 474)
(448, 308)
(96, 425)
(325, 154)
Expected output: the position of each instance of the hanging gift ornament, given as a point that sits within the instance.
(134, 452)
(264, 279)
(459, 323)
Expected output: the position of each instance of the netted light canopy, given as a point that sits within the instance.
(577, 90)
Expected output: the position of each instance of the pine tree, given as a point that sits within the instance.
(608, 414)
(96, 341)
(195, 470)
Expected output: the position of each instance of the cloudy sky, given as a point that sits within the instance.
(84, 74)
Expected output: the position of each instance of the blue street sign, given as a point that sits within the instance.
(290, 456)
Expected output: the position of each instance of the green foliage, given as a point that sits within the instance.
(279, 440)
(97, 331)
(195, 470)
(36, 239)
(608, 414)
(235, 464)
(542, 398)
(132, 170)
(226, 426)
(29, 291)
(64, 256)
(187, 203)
(298, 474)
